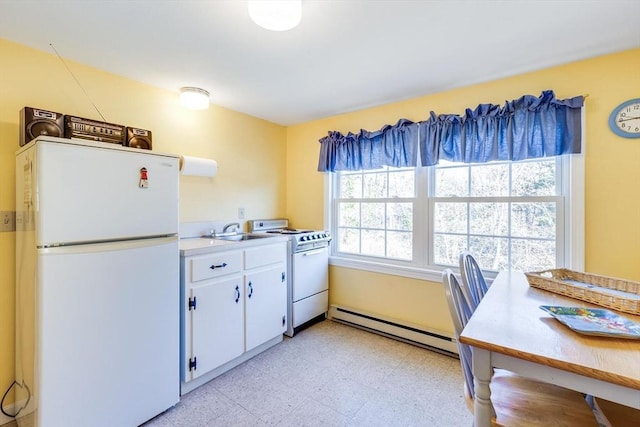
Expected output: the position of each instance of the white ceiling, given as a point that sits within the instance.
(344, 56)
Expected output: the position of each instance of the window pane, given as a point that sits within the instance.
(375, 185)
(401, 184)
(450, 217)
(400, 245)
(373, 242)
(349, 240)
(400, 216)
(491, 252)
(373, 215)
(490, 180)
(534, 220)
(533, 255)
(452, 182)
(489, 219)
(447, 248)
(350, 186)
(349, 214)
(534, 178)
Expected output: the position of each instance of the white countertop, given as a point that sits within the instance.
(201, 245)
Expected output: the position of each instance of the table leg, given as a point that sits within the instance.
(482, 373)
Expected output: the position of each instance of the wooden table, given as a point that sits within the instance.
(508, 330)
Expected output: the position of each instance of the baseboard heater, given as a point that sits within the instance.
(412, 334)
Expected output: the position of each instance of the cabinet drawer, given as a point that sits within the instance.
(265, 255)
(215, 265)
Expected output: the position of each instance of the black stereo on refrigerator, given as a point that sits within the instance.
(92, 130)
(35, 122)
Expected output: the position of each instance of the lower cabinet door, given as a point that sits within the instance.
(265, 305)
(217, 324)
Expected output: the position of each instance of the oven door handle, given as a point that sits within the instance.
(312, 252)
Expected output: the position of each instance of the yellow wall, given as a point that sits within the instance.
(250, 152)
(612, 211)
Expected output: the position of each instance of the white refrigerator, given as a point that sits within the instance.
(97, 284)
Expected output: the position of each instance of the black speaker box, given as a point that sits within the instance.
(35, 122)
(138, 138)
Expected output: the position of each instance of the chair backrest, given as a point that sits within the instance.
(461, 312)
(472, 278)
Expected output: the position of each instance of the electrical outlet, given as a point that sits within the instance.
(240, 213)
(7, 221)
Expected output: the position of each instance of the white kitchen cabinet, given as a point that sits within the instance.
(217, 324)
(234, 306)
(265, 293)
(213, 322)
(266, 305)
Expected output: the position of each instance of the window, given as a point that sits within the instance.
(416, 221)
(506, 214)
(375, 213)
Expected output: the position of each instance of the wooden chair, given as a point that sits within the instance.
(611, 414)
(472, 278)
(517, 401)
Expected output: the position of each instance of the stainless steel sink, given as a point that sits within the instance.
(241, 237)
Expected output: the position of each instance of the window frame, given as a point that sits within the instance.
(570, 253)
(334, 213)
(557, 199)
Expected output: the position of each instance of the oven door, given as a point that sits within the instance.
(310, 271)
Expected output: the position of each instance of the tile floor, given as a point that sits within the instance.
(330, 375)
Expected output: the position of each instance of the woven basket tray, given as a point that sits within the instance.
(618, 294)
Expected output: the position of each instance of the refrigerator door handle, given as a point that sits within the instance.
(107, 246)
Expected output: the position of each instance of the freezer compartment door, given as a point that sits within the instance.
(108, 333)
(88, 193)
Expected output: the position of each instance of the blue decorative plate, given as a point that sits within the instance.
(594, 321)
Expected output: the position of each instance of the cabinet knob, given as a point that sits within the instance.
(284, 320)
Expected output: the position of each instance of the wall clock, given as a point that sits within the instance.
(625, 119)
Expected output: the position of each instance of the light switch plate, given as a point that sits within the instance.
(7, 221)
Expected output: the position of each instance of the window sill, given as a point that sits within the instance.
(430, 275)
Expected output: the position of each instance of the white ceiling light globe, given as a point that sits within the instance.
(194, 98)
(275, 15)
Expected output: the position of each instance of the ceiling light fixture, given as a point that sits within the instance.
(275, 15)
(194, 98)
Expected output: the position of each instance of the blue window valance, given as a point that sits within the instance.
(390, 146)
(525, 128)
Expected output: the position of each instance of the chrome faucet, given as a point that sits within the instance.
(235, 225)
(212, 234)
